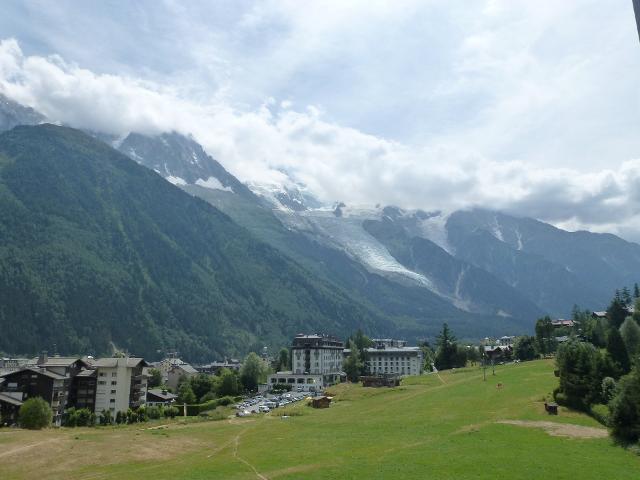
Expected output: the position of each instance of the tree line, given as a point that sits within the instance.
(599, 368)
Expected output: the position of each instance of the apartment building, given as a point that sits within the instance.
(316, 362)
(317, 355)
(121, 383)
(388, 356)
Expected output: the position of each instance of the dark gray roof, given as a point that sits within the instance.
(157, 392)
(132, 362)
(60, 361)
(39, 371)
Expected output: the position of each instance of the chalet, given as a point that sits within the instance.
(51, 378)
(498, 352)
(159, 397)
(560, 323)
(173, 370)
(214, 368)
(39, 382)
(9, 408)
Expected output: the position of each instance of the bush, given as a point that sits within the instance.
(35, 414)
(154, 413)
(171, 412)
(207, 397)
(601, 413)
(106, 418)
(85, 418)
(625, 409)
(224, 401)
(608, 389)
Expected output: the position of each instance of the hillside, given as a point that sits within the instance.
(452, 426)
(98, 251)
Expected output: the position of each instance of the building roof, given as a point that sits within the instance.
(10, 400)
(132, 362)
(562, 323)
(162, 394)
(61, 361)
(86, 373)
(393, 350)
(39, 371)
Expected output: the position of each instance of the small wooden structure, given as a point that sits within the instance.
(551, 408)
(321, 402)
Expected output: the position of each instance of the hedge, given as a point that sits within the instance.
(193, 410)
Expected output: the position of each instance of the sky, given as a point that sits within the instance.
(528, 107)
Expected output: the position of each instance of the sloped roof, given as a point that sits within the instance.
(157, 392)
(132, 362)
(10, 400)
(39, 371)
(61, 361)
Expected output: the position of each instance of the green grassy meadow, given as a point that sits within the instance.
(437, 427)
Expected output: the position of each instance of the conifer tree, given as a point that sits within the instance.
(618, 351)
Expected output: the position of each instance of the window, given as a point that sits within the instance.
(113, 400)
(114, 382)
(114, 374)
(102, 374)
(113, 392)
(102, 382)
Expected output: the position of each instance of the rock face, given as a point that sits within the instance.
(180, 160)
(13, 114)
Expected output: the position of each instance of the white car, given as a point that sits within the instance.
(264, 409)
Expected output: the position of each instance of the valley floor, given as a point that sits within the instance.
(447, 426)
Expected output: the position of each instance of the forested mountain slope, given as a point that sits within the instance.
(98, 251)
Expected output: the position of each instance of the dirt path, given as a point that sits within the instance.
(561, 429)
(25, 447)
(238, 457)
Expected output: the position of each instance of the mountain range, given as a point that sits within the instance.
(176, 252)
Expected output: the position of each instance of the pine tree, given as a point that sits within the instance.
(626, 297)
(447, 349)
(616, 313)
(630, 332)
(353, 364)
(636, 291)
(617, 350)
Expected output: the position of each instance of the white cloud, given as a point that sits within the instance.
(522, 106)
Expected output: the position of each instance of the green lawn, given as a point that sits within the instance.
(431, 427)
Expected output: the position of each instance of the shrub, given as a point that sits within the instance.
(207, 397)
(601, 413)
(154, 413)
(224, 401)
(35, 414)
(625, 409)
(106, 418)
(121, 418)
(608, 389)
(171, 412)
(85, 418)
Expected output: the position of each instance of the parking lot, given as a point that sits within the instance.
(267, 402)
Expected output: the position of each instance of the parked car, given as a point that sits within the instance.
(264, 409)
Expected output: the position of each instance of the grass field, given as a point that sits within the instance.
(447, 427)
